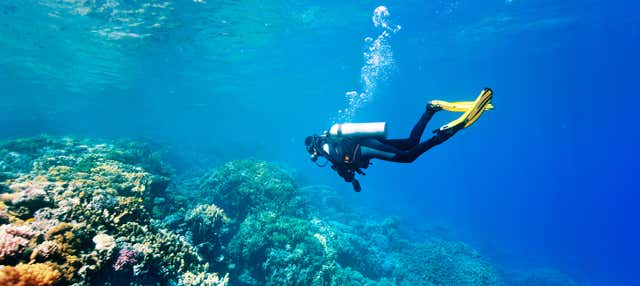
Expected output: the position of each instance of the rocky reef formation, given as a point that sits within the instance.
(79, 212)
(87, 212)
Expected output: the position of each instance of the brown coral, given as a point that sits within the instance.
(67, 245)
(39, 274)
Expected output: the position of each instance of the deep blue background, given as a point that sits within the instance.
(548, 178)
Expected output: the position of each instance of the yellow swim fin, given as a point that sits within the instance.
(459, 106)
(471, 114)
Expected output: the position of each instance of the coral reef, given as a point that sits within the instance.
(80, 210)
(279, 238)
(87, 212)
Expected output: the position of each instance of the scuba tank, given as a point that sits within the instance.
(359, 130)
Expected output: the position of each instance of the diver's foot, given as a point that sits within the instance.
(434, 106)
(448, 130)
(457, 106)
(471, 115)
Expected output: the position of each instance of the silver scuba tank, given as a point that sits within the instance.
(359, 130)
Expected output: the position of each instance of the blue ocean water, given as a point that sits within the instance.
(547, 179)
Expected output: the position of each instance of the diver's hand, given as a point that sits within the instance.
(347, 174)
(356, 185)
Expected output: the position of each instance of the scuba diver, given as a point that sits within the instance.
(350, 146)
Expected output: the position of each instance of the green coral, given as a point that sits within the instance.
(277, 250)
(274, 241)
(245, 186)
(440, 262)
(207, 219)
(208, 224)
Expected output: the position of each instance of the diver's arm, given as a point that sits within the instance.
(356, 185)
(349, 176)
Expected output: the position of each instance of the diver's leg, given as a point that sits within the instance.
(408, 156)
(375, 148)
(416, 132)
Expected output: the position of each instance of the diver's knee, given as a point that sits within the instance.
(405, 159)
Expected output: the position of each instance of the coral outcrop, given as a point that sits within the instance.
(279, 238)
(79, 211)
(38, 274)
(249, 186)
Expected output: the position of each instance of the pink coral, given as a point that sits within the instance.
(13, 240)
(27, 197)
(21, 231)
(28, 191)
(126, 258)
(45, 250)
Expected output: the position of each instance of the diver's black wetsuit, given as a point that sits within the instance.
(403, 150)
(349, 155)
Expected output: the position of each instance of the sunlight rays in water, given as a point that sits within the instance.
(67, 46)
(82, 46)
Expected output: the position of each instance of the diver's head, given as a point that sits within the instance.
(312, 143)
